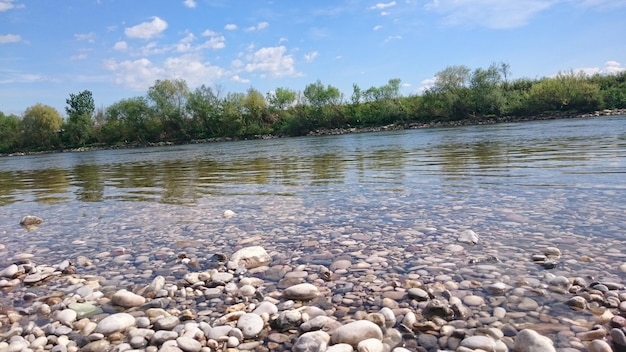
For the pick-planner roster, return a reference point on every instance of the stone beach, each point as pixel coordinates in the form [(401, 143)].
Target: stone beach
[(440, 288), (494, 238)]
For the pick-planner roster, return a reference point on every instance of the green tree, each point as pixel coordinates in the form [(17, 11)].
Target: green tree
[(132, 120), (204, 106), (566, 92), (450, 97), (281, 98), (41, 125), (256, 114), (79, 128), (169, 101), (231, 114), (9, 133), (323, 101), (487, 92)]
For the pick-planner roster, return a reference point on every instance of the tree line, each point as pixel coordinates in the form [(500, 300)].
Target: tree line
[(172, 112)]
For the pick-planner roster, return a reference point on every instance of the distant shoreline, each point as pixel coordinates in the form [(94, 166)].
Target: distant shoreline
[(340, 131)]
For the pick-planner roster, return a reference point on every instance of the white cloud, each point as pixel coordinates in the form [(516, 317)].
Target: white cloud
[(216, 40), (393, 38), (10, 38), (311, 56), (238, 79), (6, 5), (14, 77), (272, 61), (377, 27), (146, 30), (610, 67), (230, 27), (88, 37), (189, 3), (120, 46), (142, 73), (184, 45), (385, 13), (383, 5), (427, 84), (82, 56), (282, 40), (495, 14), (258, 27)]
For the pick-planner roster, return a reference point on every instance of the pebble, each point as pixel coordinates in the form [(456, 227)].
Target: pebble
[(125, 298), (599, 346), (354, 332), (250, 257), (250, 325), (314, 341), (529, 340), (370, 345), (115, 323), (468, 236), (188, 344), (304, 292)]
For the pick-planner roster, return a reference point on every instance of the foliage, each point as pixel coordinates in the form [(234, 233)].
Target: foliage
[(171, 112), (79, 127), (41, 126), (9, 133), (169, 101)]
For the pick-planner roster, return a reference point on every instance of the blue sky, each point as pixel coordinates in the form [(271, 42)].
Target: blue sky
[(117, 49)]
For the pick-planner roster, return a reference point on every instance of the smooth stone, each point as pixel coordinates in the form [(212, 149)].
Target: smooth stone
[(473, 300), (166, 323), (303, 292), (529, 340), (340, 347), (84, 310), (9, 271), (250, 324), (618, 337), (127, 299), (468, 236), (161, 336), (97, 346), (188, 344), (599, 346), (228, 213), (314, 341), (222, 277), (390, 318), (250, 257), (219, 331), (370, 345), (66, 317), (354, 332), (265, 307), (340, 264), (114, 323), (552, 252), (528, 303), (30, 220), (622, 267), (481, 342), (418, 294), (577, 302)]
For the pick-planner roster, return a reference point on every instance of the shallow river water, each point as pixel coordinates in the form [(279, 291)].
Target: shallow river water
[(393, 203)]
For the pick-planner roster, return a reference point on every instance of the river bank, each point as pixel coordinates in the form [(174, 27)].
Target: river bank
[(339, 131)]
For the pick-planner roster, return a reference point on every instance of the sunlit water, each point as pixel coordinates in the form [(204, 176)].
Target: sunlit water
[(520, 186)]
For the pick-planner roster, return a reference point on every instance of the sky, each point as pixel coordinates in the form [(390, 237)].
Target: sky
[(118, 49)]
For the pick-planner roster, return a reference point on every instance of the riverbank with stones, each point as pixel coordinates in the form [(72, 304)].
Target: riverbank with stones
[(466, 292)]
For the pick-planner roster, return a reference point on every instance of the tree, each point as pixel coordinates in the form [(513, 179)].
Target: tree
[(203, 104), (169, 98), (79, 127), (132, 121), (450, 97), (568, 91), (41, 125), (255, 108), (281, 98), (487, 92), (9, 133), (231, 114)]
